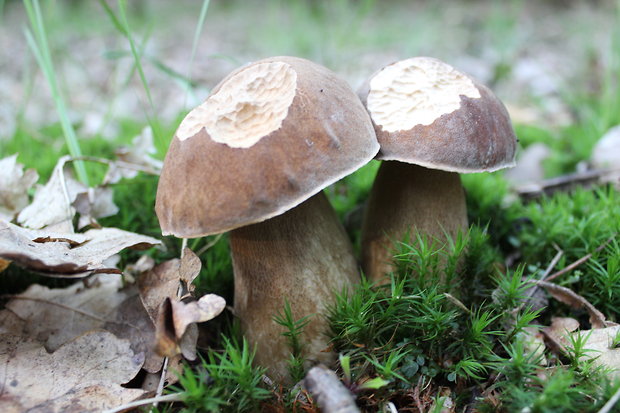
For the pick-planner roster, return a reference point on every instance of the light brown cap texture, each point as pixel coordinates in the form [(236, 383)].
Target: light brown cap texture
[(425, 112), (269, 136)]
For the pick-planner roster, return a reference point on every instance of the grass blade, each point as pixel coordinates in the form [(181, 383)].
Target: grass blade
[(40, 48), (197, 32)]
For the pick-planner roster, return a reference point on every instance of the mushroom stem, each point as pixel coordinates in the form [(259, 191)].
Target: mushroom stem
[(408, 199), (303, 256)]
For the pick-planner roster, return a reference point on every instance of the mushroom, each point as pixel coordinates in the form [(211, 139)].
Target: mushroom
[(432, 122), (253, 159)]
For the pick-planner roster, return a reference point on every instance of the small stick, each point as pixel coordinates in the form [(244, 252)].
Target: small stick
[(549, 186), (209, 245), (331, 395), (416, 395), (175, 397), (457, 302), (122, 164), (580, 260), (611, 402)]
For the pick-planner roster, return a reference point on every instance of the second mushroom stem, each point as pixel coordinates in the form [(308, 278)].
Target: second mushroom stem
[(407, 199)]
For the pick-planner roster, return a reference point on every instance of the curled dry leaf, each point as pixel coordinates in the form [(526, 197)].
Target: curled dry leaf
[(163, 281), (143, 264), (207, 307), (54, 257), (134, 158), (176, 324), (571, 298), (14, 186), (94, 203), (84, 374), (51, 207)]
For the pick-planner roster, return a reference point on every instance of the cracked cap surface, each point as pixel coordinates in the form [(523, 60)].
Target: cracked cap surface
[(427, 113)]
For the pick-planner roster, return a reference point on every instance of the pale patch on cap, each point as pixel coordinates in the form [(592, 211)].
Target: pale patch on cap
[(415, 92), (247, 107)]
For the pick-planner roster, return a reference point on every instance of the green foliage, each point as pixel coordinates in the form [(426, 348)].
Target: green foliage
[(409, 327), (577, 224), (293, 331), (227, 381)]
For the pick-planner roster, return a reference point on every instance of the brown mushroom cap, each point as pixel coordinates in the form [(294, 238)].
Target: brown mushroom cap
[(269, 136), (427, 113)]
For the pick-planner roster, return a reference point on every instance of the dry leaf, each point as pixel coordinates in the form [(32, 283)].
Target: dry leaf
[(85, 372), (561, 326), (95, 203), (175, 328), (534, 344), (207, 307), (14, 186), (55, 316), (559, 329), (163, 281), (600, 343), (131, 321), (11, 324), (166, 342), (189, 267), (145, 263), (158, 284), (606, 152), (51, 207), (188, 342), (60, 258), (569, 297), (134, 158)]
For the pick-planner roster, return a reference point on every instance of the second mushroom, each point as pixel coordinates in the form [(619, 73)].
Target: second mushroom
[(432, 122)]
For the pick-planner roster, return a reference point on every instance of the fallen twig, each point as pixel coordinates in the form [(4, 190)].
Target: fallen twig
[(109, 162), (565, 183), (580, 260), (457, 302), (529, 293), (331, 395), (611, 402), (175, 397), (416, 394)]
